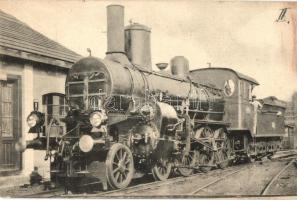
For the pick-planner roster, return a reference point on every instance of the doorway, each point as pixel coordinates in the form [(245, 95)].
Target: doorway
[(10, 123)]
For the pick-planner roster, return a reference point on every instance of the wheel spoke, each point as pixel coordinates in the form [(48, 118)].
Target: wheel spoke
[(127, 161), (188, 160), (121, 177), (159, 168), (117, 156), (126, 169), (115, 170), (162, 170), (121, 153), (191, 156), (124, 156), (117, 176), (124, 175)]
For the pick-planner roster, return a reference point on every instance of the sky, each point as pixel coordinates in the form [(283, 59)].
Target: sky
[(243, 36)]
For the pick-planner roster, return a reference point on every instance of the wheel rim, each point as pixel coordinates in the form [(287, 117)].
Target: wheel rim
[(161, 169), (224, 153), (206, 156), (188, 160), (205, 160), (206, 132), (120, 166)]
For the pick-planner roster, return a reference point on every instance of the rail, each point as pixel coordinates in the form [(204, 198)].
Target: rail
[(214, 182), (147, 186), (45, 194), (275, 178)]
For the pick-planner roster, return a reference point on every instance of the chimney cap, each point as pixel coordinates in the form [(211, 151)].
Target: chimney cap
[(162, 66), (137, 26), (115, 5)]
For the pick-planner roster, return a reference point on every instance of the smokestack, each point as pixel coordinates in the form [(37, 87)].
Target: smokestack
[(115, 34), (115, 29)]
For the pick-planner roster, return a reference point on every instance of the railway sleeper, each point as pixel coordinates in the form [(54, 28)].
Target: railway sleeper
[(196, 167)]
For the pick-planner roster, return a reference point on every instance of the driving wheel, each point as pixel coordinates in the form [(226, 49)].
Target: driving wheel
[(225, 150), (205, 162)]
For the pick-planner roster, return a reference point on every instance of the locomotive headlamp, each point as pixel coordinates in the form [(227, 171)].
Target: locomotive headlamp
[(35, 119), (86, 143), (32, 120), (96, 119)]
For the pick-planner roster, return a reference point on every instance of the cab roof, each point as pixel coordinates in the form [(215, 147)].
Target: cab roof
[(273, 101), (238, 74)]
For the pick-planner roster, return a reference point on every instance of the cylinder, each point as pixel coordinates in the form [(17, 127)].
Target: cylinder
[(180, 66), (138, 45), (115, 29)]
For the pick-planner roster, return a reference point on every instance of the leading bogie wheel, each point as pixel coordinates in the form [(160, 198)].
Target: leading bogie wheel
[(119, 166), (161, 169)]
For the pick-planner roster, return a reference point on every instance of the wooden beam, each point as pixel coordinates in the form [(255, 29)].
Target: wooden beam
[(33, 57), (3, 75)]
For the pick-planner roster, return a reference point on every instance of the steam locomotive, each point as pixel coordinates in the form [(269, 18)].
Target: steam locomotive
[(120, 117)]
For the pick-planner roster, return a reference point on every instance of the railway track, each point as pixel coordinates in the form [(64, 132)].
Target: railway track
[(46, 194), (274, 179), (215, 181), (266, 188), (137, 189), (218, 175)]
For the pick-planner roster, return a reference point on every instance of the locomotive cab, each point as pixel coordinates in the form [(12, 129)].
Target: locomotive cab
[(239, 111), (247, 115), (237, 90), (55, 109)]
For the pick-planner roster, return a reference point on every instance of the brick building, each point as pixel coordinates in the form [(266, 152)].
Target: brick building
[(30, 65)]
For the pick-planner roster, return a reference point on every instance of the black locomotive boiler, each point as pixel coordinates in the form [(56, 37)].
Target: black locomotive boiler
[(122, 118)]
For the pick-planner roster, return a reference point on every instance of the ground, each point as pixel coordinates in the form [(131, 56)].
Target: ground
[(250, 180)]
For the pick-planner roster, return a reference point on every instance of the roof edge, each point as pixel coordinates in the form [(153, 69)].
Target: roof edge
[(36, 58), (240, 75)]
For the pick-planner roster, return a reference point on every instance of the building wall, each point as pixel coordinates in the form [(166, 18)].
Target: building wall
[(11, 67), (36, 80), (45, 80)]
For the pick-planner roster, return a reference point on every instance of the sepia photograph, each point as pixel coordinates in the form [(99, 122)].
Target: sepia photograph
[(148, 99)]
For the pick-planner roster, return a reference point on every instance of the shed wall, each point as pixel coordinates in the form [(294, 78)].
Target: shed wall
[(36, 80)]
